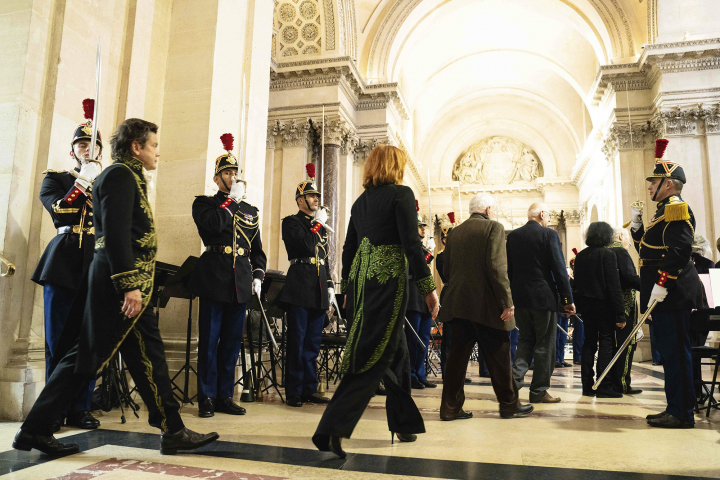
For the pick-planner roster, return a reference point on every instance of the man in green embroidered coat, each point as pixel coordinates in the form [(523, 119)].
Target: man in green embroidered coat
[(382, 246), (117, 317)]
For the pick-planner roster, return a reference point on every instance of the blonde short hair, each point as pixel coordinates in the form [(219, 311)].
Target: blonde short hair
[(385, 164)]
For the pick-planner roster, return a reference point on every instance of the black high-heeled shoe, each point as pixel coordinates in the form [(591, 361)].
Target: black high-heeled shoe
[(336, 447), (403, 437)]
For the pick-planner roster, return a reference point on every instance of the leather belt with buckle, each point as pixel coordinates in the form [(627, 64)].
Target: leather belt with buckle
[(307, 261), (651, 262), (227, 249), (75, 229)]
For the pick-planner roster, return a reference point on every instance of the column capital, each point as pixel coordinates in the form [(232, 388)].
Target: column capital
[(294, 133), (273, 130)]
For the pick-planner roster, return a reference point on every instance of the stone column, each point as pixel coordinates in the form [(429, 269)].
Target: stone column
[(346, 192), (330, 188), (711, 120), (269, 227)]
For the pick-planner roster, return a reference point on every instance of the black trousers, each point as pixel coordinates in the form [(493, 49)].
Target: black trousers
[(599, 329), (536, 343), (620, 374), (144, 356), (495, 347), (355, 390)]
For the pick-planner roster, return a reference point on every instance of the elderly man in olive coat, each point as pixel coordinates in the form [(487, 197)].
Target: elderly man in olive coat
[(479, 304)]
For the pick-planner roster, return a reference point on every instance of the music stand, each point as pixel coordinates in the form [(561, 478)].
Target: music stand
[(176, 287), (272, 286)]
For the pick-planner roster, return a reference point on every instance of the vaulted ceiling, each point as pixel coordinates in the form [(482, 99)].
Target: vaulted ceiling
[(469, 69)]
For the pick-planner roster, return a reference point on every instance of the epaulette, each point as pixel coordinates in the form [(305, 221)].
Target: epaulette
[(250, 205), (677, 211), (49, 170), (198, 196), (441, 251)]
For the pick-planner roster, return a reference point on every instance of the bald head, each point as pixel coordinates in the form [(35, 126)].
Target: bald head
[(539, 212)]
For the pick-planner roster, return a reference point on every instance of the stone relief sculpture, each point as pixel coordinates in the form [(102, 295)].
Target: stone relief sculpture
[(497, 161)]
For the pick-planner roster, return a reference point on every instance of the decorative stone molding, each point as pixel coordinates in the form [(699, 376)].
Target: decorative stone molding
[(497, 161), (295, 134), (610, 146), (712, 119), (622, 136), (574, 217), (329, 25), (334, 131), (675, 122), (272, 131), (350, 143)]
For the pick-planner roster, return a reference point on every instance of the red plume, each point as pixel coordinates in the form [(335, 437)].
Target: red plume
[(417, 205), (89, 108), (227, 140), (310, 169), (575, 251), (451, 216), (660, 146)]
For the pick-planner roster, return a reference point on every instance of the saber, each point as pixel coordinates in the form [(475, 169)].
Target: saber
[(96, 109), (627, 341), (337, 310), (563, 330), (416, 334), (578, 317), (267, 324), (322, 168), (432, 227)]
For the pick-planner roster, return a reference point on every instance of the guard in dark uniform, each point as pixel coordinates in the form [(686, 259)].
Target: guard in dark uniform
[(419, 317), (308, 292), (229, 271), (668, 276), (67, 257)]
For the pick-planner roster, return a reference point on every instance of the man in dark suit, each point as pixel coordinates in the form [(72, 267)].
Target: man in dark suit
[(537, 272), (479, 306), (229, 271), (308, 293)]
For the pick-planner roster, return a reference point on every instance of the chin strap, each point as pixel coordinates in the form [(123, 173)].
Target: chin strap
[(662, 180), (225, 184)]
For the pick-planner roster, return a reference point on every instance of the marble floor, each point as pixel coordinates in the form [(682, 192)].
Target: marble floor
[(579, 438)]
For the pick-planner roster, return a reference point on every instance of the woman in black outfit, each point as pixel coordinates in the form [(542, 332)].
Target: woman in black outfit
[(382, 242), (600, 300), (700, 252)]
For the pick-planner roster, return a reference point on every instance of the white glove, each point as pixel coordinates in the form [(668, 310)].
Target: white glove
[(237, 191), (431, 244), (658, 293), (331, 296), (256, 286), (636, 221), (321, 216), (88, 173)]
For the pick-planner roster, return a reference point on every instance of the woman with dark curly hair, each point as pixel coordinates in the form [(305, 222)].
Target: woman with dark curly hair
[(600, 301)]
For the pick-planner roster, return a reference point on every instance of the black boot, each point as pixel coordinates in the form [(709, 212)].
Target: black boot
[(82, 420), (185, 439), (48, 445), (207, 408), (316, 398), (226, 405)]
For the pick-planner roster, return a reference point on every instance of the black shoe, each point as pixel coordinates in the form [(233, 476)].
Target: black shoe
[(633, 391), (294, 401), (485, 375), (47, 445), (417, 385), (56, 426), (655, 364), (468, 380), (589, 393), (405, 437), (82, 420), (381, 391), (669, 421), (207, 408), (566, 364), (429, 385), (559, 365), (185, 439), (577, 362), (316, 398), (522, 411), (336, 447), (602, 393), (655, 416), (226, 405), (462, 415)]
